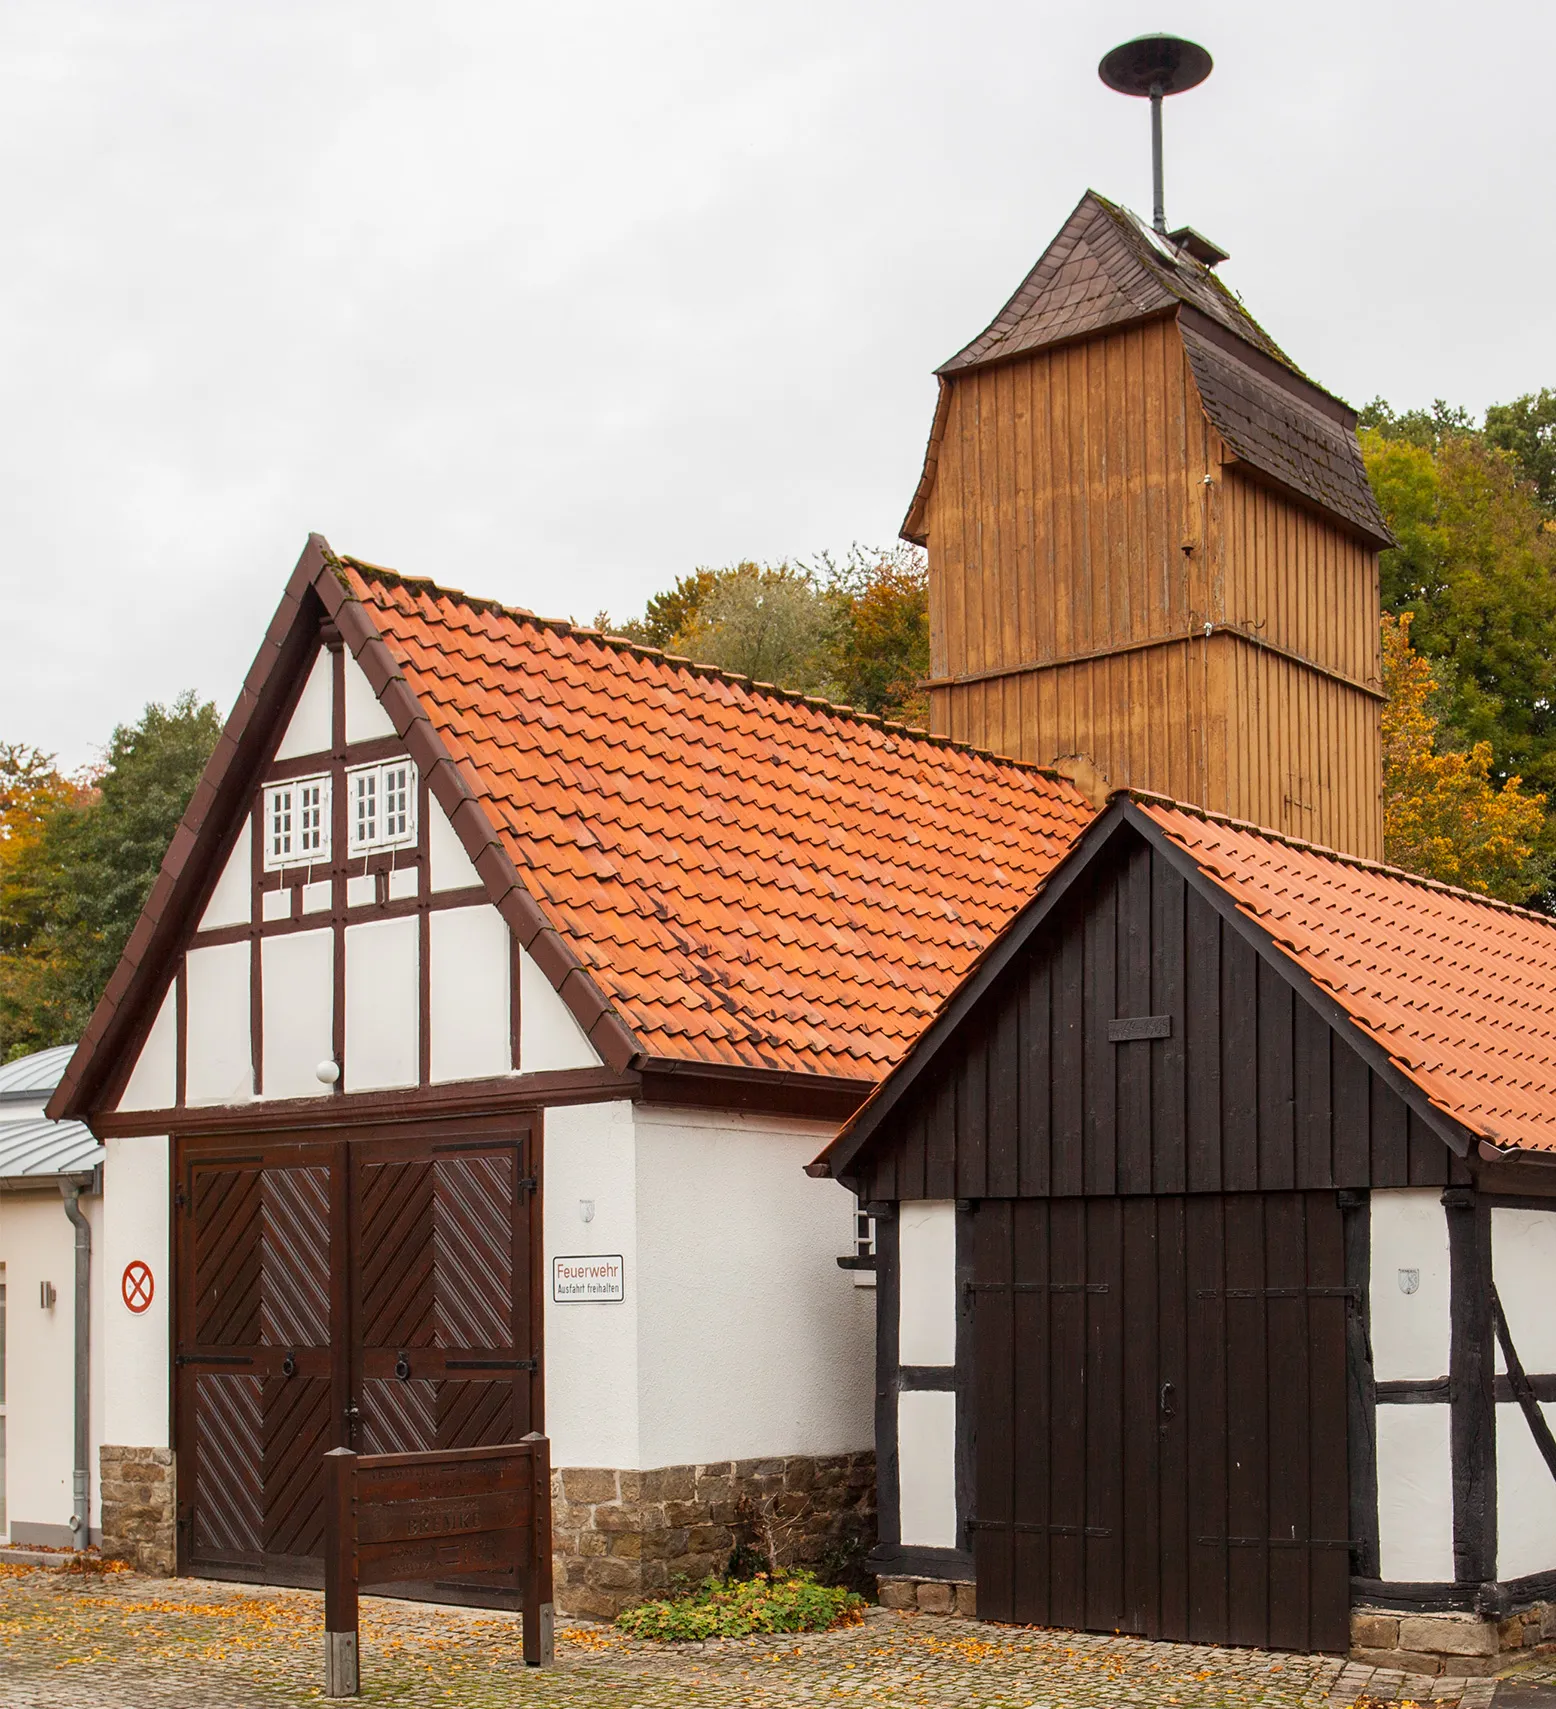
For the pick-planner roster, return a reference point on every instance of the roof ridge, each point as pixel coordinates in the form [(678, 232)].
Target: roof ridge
[(1149, 799), (768, 690)]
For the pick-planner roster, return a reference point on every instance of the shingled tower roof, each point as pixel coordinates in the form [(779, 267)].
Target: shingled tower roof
[(1107, 270)]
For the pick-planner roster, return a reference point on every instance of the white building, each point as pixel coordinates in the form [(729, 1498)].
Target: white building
[(46, 1166)]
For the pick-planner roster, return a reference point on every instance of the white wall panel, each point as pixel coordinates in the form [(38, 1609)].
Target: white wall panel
[(135, 1225), (232, 901), (311, 728), (297, 978), (926, 1466), (926, 1333), (471, 982), (452, 868), (1410, 1332), (549, 1037), (366, 720), (1523, 1262), (1526, 1491), (37, 1244), (382, 1000), (1415, 1494), (752, 1342), (153, 1082), (591, 1346), (218, 1054)]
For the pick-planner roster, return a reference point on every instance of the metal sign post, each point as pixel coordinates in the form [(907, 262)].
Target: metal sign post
[(389, 1518)]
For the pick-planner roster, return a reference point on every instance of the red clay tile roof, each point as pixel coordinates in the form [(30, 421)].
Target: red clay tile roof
[(750, 876), (1459, 991)]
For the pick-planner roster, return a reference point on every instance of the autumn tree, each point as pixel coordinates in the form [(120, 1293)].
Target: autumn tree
[(1444, 815), (854, 630), (77, 861)]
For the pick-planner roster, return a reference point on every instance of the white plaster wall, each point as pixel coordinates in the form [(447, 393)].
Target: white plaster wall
[(451, 867), (926, 1464), (1415, 1494), (592, 1347), (136, 1353), (381, 1005), (231, 902), (1526, 1493), (1523, 1263), (752, 1342), (926, 1332), (549, 1037), (1410, 1332), (153, 1082), (366, 720), (311, 727), (218, 1056), (470, 987), (37, 1244), (298, 1011)]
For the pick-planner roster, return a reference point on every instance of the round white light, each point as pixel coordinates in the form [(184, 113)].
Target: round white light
[(328, 1072)]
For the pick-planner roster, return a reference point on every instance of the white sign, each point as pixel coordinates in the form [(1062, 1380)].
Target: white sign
[(588, 1277)]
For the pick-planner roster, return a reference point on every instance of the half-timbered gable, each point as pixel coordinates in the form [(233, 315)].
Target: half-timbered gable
[(1199, 1208)]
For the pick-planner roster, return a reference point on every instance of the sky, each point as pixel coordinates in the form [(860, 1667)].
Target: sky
[(554, 303)]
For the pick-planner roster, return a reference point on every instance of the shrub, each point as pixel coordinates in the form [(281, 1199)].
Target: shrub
[(724, 1608)]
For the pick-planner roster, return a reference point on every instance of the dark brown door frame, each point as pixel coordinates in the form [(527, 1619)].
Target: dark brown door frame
[(339, 1152)]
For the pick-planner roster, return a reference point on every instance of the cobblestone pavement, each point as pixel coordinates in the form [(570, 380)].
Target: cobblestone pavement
[(117, 1641)]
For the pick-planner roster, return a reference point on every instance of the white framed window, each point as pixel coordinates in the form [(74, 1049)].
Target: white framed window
[(381, 806), (297, 822)]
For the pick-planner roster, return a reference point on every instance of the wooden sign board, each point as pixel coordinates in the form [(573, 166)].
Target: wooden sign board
[(390, 1518)]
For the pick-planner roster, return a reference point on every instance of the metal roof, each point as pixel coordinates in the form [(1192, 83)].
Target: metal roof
[(29, 1076), (35, 1150)]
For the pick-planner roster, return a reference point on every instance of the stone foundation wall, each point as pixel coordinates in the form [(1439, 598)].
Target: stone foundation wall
[(136, 1488), (930, 1596), (1471, 1645), (621, 1537)]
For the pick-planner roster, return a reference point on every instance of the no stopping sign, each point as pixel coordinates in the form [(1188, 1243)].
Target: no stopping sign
[(137, 1285)]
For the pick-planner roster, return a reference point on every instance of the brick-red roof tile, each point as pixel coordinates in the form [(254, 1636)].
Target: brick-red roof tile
[(1458, 990), (750, 877)]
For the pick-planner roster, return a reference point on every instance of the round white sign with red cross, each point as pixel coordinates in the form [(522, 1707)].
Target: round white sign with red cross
[(137, 1285)]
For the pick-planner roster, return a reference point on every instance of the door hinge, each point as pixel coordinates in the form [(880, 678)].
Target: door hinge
[(180, 1199), (529, 1184), (491, 1364)]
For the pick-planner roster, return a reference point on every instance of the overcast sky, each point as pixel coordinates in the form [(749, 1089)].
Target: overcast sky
[(555, 302)]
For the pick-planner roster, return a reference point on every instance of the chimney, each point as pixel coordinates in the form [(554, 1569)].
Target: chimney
[(1153, 550)]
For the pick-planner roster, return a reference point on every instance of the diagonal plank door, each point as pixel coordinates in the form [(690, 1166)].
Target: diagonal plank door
[(377, 1294)]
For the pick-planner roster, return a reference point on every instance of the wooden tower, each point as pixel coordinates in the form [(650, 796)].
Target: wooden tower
[(1153, 551)]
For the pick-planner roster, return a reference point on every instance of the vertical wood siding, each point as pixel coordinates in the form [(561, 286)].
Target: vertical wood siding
[(1253, 1090), (1071, 515), (1158, 1417)]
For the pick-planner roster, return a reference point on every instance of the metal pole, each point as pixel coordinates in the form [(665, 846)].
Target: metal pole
[(79, 1477), (1158, 199)]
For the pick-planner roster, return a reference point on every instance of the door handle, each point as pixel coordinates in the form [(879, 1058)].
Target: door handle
[(1169, 1394), (352, 1414)]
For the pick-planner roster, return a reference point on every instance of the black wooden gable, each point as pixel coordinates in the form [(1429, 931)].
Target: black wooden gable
[(1133, 1034)]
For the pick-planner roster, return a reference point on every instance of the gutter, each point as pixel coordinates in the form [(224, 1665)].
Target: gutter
[(71, 1190)]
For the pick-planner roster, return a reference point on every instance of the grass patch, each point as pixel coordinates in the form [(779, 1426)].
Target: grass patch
[(726, 1608)]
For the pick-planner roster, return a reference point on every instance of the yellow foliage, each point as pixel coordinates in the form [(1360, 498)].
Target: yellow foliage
[(1443, 815)]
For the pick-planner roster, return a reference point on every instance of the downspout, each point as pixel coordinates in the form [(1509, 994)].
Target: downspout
[(78, 1487)]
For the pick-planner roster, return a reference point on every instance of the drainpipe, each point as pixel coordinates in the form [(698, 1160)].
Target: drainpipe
[(78, 1488)]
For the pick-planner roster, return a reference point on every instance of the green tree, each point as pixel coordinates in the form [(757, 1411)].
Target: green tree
[(1526, 428), (775, 623), (1476, 568), (73, 884)]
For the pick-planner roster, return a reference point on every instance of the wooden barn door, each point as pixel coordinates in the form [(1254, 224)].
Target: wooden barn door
[(376, 1294), (1159, 1418)]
